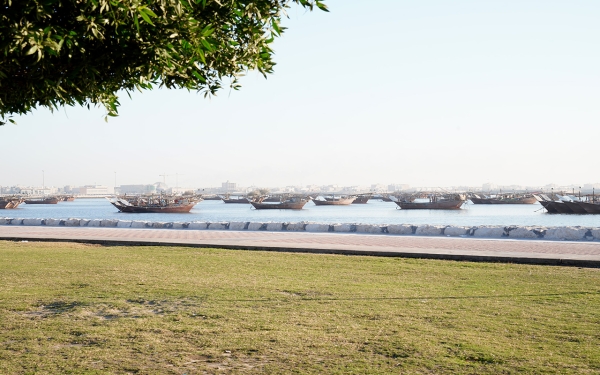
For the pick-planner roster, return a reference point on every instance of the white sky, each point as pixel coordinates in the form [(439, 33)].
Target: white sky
[(428, 93)]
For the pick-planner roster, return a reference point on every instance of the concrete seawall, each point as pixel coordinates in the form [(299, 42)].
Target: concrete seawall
[(484, 231)]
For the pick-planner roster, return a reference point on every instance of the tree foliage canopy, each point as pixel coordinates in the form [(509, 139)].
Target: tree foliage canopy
[(68, 52)]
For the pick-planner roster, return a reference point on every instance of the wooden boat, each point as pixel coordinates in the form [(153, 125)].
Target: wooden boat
[(433, 202), (48, 200), (549, 206), (547, 203), (362, 199), (504, 199), (293, 203), (10, 202), (228, 199), (575, 207), (562, 208), (590, 207), (272, 199), (211, 198), (155, 203), (559, 207), (333, 201)]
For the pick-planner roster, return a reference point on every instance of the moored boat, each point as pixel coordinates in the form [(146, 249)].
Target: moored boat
[(432, 202), (46, 200), (549, 206), (155, 203), (228, 199), (575, 207), (10, 202), (292, 203), (590, 207), (362, 199), (569, 205), (211, 198), (503, 199), (334, 201)]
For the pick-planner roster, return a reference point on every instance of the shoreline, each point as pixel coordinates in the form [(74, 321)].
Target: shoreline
[(516, 232)]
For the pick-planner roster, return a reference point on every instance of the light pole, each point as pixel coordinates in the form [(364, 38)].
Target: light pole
[(115, 188), (43, 183)]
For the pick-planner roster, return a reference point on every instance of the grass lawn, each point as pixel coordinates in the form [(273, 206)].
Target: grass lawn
[(85, 309)]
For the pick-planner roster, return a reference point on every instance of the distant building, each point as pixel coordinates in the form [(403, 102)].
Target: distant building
[(311, 188), (488, 186), (178, 190), (591, 187), (330, 188), (93, 190), (228, 186), (160, 186), (137, 189), (33, 190), (398, 187)]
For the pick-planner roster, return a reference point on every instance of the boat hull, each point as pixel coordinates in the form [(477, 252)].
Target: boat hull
[(527, 200), (590, 208), (338, 202), (154, 209), (576, 207), (241, 200), (361, 200), (554, 207), (42, 201), (549, 206), (8, 204), (279, 206), (562, 208), (212, 198), (439, 205)]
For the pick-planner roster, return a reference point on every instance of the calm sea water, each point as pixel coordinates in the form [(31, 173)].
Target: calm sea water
[(374, 212)]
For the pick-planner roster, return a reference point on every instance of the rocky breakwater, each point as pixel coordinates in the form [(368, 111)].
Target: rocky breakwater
[(482, 231)]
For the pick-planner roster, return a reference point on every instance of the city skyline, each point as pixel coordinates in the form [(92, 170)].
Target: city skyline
[(365, 187)]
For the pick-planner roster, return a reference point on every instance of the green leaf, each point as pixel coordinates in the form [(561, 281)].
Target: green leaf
[(207, 31), (150, 12), (145, 17), (197, 75), (31, 50), (207, 45), (321, 6), (275, 24)]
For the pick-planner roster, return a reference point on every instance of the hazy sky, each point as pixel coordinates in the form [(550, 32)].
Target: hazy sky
[(427, 93)]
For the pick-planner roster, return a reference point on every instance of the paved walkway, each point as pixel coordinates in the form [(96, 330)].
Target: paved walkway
[(583, 254)]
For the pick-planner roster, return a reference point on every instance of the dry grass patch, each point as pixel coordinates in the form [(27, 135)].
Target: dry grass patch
[(70, 308)]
